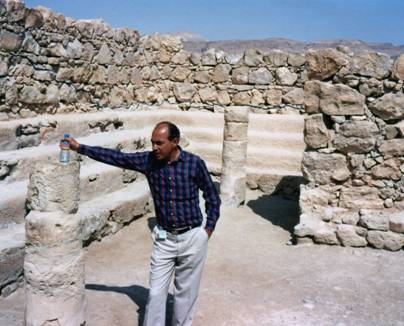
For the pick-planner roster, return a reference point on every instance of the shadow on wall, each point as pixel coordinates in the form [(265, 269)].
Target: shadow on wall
[(138, 294), (280, 202)]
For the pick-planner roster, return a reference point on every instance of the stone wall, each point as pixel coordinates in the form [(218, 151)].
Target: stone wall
[(53, 64), (354, 160)]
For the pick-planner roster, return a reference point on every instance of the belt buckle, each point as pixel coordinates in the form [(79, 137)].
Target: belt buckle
[(174, 232)]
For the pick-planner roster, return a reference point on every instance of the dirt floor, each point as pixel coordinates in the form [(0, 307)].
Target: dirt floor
[(252, 276)]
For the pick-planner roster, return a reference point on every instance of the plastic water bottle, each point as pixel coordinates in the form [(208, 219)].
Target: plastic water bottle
[(64, 156)]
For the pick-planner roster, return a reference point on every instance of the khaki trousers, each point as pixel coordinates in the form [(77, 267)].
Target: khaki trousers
[(183, 256)]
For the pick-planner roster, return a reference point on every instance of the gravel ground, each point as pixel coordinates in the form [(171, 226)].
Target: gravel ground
[(252, 276)]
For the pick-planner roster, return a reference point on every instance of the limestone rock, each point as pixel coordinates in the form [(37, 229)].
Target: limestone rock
[(308, 225), (285, 77), (240, 76), (233, 58), (10, 41), (180, 74), (202, 77), (389, 107), (374, 220), (369, 64), (325, 235), (104, 55), (53, 186), (208, 94), (316, 134), (389, 169), (397, 222), (33, 19), (30, 45), (296, 59), (253, 57), (394, 147), (31, 95), (74, 49), (223, 98), (180, 57), (235, 130), (260, 76), (294, 96), (398, 68), (236, 114), (356, 136), (333, 100), (348, 236), (52, 95), (273, 96), (314, 199), (320, 168), (359, 197), (184, 91), (276, 58), (385, 240), (242, 98), (221, 73), (324, 63)]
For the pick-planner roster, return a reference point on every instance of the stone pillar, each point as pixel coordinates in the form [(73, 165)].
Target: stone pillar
[(234, 159), (54, 258)]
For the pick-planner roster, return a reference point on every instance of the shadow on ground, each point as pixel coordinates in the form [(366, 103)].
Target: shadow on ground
[(138, 294), (277, 210)]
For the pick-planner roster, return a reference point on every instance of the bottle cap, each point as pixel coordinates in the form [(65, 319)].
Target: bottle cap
[(66, 136)]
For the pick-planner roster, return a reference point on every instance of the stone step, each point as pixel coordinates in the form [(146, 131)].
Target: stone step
[(18, 162), (48, 129), (96, 179), (100, 216), (290, 140), (276, 123), (270, 159)]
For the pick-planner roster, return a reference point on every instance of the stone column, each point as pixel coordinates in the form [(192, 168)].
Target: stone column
[(54, 258), (234, 159)]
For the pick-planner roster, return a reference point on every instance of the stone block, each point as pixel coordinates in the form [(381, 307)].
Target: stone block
[(308, 225), (324, 63), (53, 186), (348, 236), (397, 71), (285, 77), (236, 114), (316, 134), (385, 240), (360, 197), (374, 220), (389, 107), (320, 168), (397, 222), (325, 235), (356, 136), (371, 64), (393, 147), (235, 131), (260, 76)]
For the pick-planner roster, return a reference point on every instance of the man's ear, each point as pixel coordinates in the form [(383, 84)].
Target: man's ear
[(176, 141)]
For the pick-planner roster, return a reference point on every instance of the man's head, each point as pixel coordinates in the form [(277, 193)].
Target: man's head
[(165, 139)]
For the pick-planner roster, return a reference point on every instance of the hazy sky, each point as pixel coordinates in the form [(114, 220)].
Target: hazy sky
[(305, 20)]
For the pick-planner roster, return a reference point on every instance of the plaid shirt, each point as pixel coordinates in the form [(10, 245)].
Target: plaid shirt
[(174, 187)]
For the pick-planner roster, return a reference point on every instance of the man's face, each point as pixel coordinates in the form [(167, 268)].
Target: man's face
[(162, 147)]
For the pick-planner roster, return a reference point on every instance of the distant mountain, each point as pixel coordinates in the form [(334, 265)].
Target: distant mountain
[(289, 45)]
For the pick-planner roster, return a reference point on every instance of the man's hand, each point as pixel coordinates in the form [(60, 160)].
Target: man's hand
[(74, 145), (209, 232)]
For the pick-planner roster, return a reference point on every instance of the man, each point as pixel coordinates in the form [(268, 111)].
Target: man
[(180, 241)]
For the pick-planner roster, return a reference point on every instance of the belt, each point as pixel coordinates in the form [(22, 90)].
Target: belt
[(183, 229)]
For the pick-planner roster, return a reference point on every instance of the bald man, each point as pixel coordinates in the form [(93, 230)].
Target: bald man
[(180, 239)]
